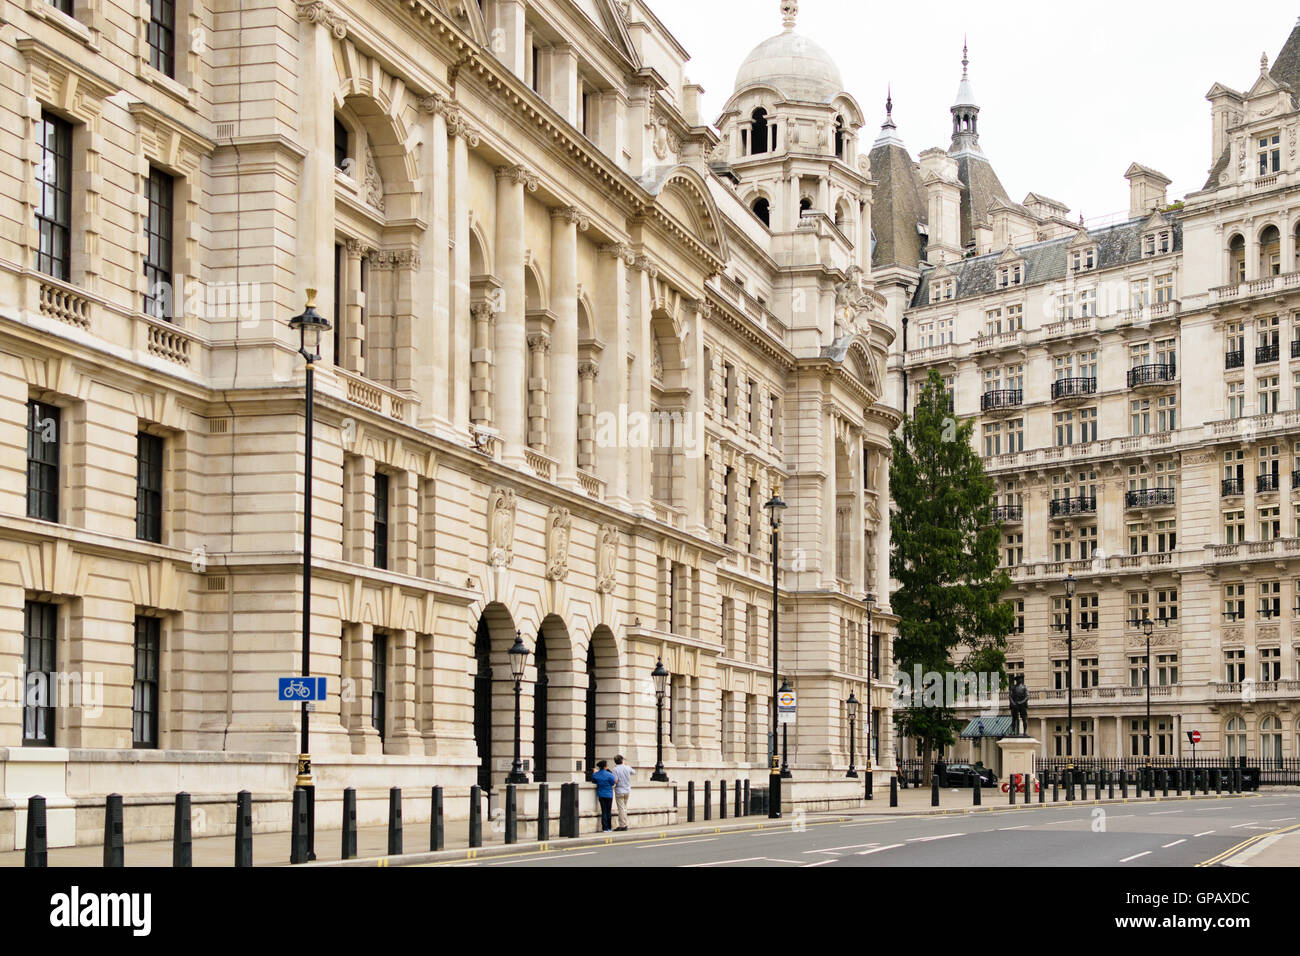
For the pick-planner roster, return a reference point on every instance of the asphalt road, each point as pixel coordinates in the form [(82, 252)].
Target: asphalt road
[(1161, 834)]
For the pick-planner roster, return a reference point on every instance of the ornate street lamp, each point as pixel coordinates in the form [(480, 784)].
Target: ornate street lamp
[(660, 677), (1070, 584), (775, 507), (310, 325), (1148, 626), (852, 706), (518, 660), (870, 602)]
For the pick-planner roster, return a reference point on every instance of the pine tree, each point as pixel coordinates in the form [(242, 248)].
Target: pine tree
[(945, 559)]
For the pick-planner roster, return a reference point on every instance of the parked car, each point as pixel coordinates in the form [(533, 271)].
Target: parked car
[(963, 775)]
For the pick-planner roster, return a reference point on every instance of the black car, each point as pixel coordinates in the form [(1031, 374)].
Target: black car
[(963, 775)]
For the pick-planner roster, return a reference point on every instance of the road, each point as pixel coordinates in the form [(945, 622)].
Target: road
[(1160, 834)]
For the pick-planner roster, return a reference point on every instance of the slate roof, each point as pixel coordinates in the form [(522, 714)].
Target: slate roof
[(982, 186), (1049, 261), (899, 205)]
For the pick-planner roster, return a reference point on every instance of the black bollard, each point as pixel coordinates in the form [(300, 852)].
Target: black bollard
[(1205, 782), (544, 812), (1029, 786), (871, 785), (893, 791), (512, 814), (475, 816), (1178, 782), (1042, 789), (903, 779), (975, 791), (394, 821), (1237, 781), (113, 848), (298, 832), (722, 799), (437, 832), (1056, 788), (1218, 781), (708, 799), (244, 828), (349, 849), (934, 790), (1164, 782), (690, 801), (748, 805), (575, 810), (1123, 784), (740, 808), (37, 850), (1069, 787), (1011, 788), (182, 839), (916, 778), (1110, 785)]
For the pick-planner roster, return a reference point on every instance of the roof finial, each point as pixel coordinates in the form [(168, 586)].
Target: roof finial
[(789, 10), (965, 59), (889, 109), (1263, 63)]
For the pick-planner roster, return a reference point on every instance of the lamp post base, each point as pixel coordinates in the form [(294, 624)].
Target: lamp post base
[(851, 773), (659, 776), (516, 776)]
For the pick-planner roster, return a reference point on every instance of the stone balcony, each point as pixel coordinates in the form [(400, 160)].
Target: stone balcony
[(1240, 291)]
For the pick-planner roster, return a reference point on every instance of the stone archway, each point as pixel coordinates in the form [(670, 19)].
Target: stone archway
[(493, 691), (603, 693), (556, 708)]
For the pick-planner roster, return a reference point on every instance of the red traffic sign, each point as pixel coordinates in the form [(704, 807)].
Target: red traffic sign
[(1194, 736)]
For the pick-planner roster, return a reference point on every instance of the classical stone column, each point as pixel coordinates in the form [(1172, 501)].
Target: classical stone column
[(642, 346), (829, 515), (692, 431), (588, 372), (539, 348), (565, 224), (315, 187), (354, 327), (435, 363), (403, 735), (612, 327), (480, 412), (510, 328), (458, 201)]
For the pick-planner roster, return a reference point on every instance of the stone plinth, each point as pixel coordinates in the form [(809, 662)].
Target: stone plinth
[(1019, 756)]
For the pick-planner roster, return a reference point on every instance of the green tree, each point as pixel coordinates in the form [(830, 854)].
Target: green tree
[(945, 559)]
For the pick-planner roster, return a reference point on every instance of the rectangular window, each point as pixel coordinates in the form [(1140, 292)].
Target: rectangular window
[(1015, 435), (1234, 602), (148, 487), (1268, 394), (162, 36), (1087, 424), (63, 6), (1166, 669), (1164, 288), (54, 196), (1236, 399), (144, 694), (42, 461), (1270, 153), (1234, 665), (1270, 663), (381, 520), (379, 683), (1015, 318), (728, 389), (159, 300), (40, 630), (1089, 672), (1270, 599), (754, 408)]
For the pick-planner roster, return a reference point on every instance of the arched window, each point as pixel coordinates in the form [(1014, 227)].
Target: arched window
[(1270, 252), (763, 210), (342, 146), (1237, 258), (758, 131), (805, 204), (1236, 737), (839, 137), (1270, 739)]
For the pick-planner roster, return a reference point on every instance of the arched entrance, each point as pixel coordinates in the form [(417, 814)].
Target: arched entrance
[(493, 636), (602, 698), (554, 703), (541, 705)]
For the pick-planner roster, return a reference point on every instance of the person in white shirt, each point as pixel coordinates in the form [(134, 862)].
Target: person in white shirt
[(622, 789)]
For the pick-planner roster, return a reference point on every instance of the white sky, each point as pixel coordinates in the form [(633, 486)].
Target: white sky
[(1069, 94)]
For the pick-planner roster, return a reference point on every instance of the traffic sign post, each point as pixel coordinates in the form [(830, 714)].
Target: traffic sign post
[(299, 689), (786, 705), (1195, 737)]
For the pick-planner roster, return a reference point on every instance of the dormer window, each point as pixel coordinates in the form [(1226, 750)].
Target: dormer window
[(1270, 153), (1083, 260), (942, 289), (1156, 243), (1010, 275)]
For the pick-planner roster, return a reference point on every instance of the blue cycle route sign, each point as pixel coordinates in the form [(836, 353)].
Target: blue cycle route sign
[(302, 688)]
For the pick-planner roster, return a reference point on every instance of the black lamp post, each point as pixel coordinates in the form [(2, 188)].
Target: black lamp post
[(774, 507), (518, 660), (660, 676), (852, 705), (785, 736), (869, 718), (1069, 674), (310, 325), (1148, 626)]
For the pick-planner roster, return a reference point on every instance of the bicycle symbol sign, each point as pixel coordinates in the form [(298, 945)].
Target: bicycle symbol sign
[(302, 688)]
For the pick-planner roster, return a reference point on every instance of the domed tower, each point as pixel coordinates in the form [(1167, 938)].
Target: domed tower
[(965, 111), (789, 138)]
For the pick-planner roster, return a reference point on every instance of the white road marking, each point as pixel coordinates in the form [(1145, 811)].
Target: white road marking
[(1023, 826), (823, 862), (655, 846), (1175, 843), (879, 849), (1238, 826), (1164, 813), (748, 859), (942, 836), (1203, 833), (850, 826), (551, 859), (1136, 856), (1281, 819), (833, 849)]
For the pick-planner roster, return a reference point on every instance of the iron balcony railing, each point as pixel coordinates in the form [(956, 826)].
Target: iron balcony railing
[(1266, 353), (1074, 387), (1001, 398), (1151, 374), (1149, 497), (1295, 348), (1008, 512), (1079, 505), (1267, 482), (1233, 360), (1232, 487)]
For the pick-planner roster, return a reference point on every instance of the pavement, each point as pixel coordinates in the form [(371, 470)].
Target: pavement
[(913, 820)]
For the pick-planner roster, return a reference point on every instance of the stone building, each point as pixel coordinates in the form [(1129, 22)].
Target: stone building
[(1070, 344), (580, 337)]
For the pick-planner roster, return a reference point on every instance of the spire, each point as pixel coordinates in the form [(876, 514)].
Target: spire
[(965, 92), (889, 108), (888, 131), (1263, 64), (789, 10)]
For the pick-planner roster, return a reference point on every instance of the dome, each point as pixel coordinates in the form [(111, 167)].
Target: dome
[(795, 65)]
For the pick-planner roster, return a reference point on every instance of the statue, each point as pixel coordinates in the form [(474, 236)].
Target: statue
[(1019, 695)]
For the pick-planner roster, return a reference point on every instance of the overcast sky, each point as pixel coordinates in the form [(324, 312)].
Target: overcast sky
[(1069, 94)]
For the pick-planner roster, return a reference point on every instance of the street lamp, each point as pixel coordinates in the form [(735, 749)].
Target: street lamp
[(870, 602), (785, 736), (852, 705), (1148, 626), (518, 660), (1070, 584), (310, 325), (774, 507), (660, 676)]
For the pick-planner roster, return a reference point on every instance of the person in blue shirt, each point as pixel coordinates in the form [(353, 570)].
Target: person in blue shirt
[(604, 781)]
